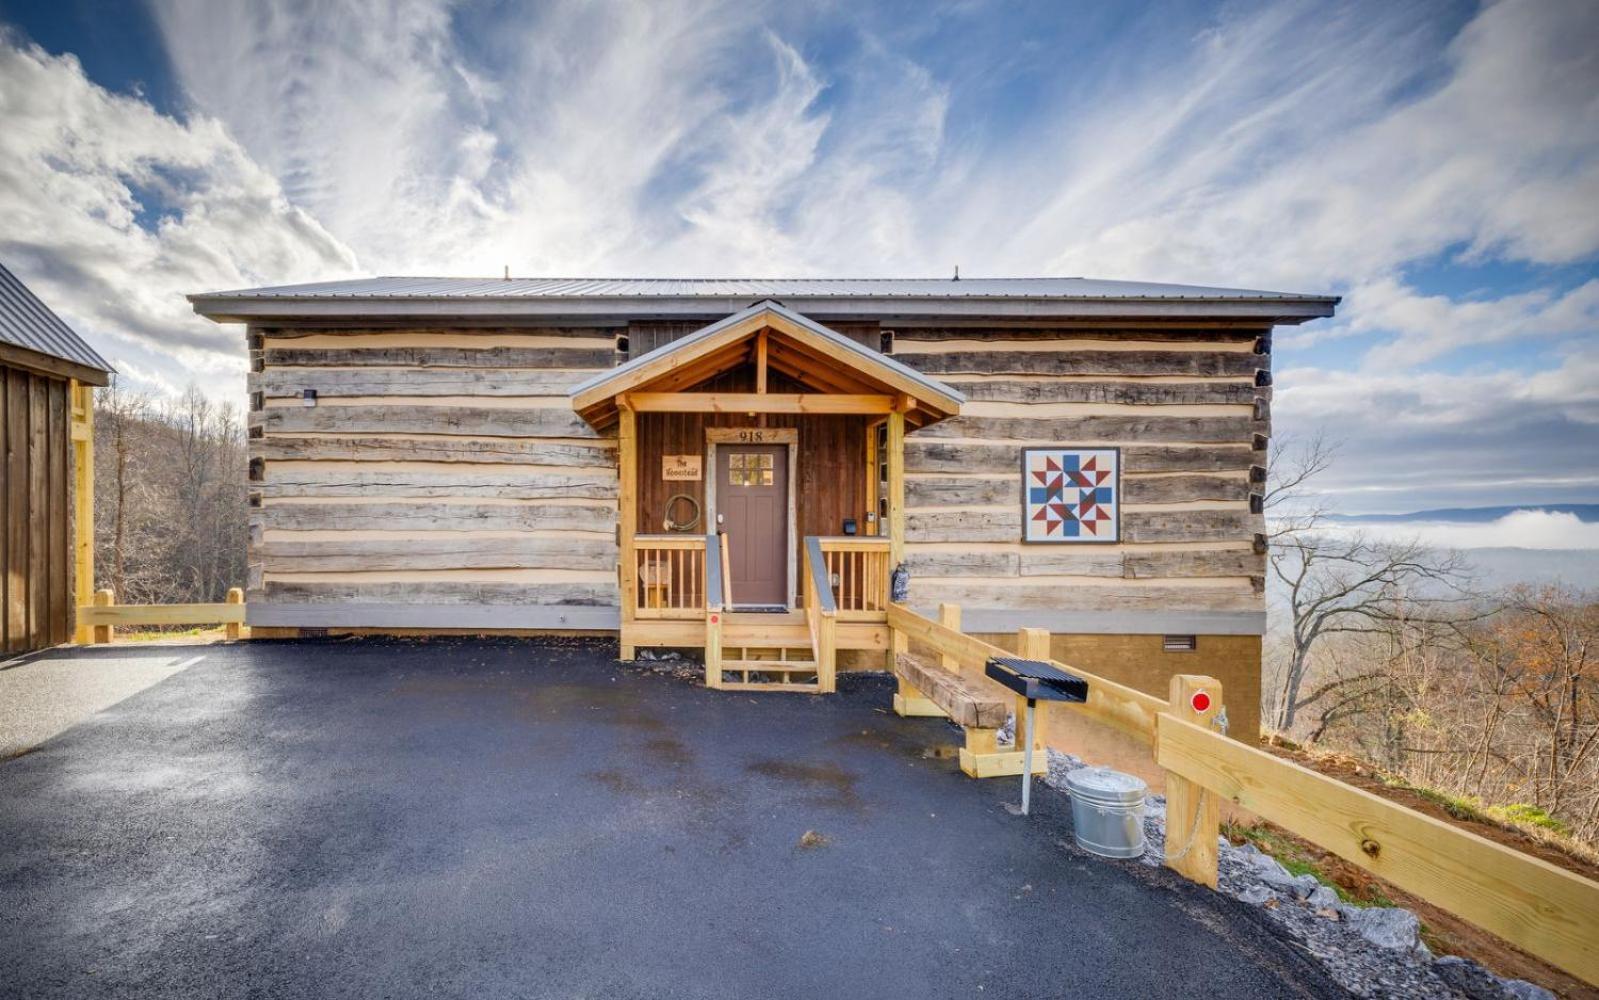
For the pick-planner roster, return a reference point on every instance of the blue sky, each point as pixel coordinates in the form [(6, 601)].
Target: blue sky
[(1435, 163)]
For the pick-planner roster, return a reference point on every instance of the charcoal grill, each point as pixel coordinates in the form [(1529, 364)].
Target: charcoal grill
[(1036, 681)]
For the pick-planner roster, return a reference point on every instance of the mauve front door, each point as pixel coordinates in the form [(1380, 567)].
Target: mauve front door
[(752, 501)]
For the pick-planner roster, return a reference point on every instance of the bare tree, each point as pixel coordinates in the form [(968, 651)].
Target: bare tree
[(1336, 581), (171, 511), (117, 413)]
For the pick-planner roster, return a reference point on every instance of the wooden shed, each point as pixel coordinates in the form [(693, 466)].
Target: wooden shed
[(705, 464), (47, 375)]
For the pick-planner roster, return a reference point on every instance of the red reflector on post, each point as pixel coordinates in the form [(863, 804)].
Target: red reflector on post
[(1200, 701)]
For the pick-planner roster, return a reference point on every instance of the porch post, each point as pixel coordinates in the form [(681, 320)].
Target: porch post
[(873, 525), (627, 520), (895, 527), (896, 487), (82, 408)]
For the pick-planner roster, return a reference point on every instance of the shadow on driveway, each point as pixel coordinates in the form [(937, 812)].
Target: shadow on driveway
[(484, 818)]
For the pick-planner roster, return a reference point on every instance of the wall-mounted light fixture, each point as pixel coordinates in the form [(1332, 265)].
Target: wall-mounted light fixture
[(307, 397)]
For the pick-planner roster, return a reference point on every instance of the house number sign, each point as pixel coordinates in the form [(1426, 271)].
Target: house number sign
[(681, 468)]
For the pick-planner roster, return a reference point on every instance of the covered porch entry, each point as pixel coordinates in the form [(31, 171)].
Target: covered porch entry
[(762, 493)]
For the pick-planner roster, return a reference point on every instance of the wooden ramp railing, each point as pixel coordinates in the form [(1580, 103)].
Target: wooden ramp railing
[(105, 614), (1534, 905)]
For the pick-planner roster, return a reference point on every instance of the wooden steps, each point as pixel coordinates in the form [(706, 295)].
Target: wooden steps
[(769, 666)]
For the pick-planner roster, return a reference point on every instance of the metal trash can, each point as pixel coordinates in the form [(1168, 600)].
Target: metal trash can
[(1107, 811)]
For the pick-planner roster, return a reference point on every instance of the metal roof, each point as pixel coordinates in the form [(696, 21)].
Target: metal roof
[(755, 288), (866, 297), (866, 354), (28, 323)]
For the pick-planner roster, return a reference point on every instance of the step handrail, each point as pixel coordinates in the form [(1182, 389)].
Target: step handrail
[(715, 594), (818, 573), (821, 613)]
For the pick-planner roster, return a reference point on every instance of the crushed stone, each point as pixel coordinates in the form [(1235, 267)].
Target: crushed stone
[(1371, 951)]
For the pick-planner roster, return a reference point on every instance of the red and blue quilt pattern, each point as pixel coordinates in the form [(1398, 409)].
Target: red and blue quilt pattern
[(1070, 494)]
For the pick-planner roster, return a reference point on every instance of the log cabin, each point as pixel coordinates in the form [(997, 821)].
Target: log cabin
[(47, 378), (738, 466)]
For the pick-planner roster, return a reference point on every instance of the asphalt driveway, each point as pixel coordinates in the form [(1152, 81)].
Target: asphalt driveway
[(471, 818)]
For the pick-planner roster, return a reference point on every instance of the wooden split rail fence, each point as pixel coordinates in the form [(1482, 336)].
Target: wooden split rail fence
[(105, 614), (1534, 905)]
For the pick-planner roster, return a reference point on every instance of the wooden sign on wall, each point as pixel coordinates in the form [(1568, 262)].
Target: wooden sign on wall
[(681, 468)]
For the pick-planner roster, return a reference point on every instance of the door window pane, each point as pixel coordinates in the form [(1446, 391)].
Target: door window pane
[(744, 469)]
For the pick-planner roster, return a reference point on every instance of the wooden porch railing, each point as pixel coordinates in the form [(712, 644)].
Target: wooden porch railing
[(821, 614), (1531, 903), (671, 577), (857, 571), (97, 620)]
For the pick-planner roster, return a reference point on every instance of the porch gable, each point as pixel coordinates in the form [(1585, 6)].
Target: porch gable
[(839, 375)]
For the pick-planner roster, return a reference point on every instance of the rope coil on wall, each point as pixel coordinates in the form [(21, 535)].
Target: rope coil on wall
[(669, 523)]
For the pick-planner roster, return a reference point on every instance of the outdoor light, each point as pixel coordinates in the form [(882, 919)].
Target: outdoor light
[(307, 397)]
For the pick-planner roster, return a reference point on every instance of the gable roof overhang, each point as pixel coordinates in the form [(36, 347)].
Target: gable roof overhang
[(615, 301), (32, 336), (825, 361)]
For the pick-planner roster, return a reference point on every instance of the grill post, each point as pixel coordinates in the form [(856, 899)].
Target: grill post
[(1027, 758)]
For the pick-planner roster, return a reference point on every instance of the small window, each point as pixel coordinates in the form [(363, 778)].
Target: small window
[(749, 470), (1181, 643)]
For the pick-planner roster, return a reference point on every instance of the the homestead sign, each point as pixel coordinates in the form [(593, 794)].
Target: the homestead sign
[(489, 454)]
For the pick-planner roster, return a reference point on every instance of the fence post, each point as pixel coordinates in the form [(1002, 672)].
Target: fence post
[(103, 599), (235, 596), (949, 616), (1031, 644), (1193, 814)]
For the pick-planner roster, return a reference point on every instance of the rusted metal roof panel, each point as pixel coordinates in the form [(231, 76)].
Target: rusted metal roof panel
[(27, 322)]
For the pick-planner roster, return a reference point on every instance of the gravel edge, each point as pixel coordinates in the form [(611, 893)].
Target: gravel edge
[(1370, 951)]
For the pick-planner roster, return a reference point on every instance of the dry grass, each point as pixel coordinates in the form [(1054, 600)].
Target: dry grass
[(1528, 821)]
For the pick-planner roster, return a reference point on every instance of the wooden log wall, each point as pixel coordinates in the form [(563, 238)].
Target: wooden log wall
[(35, 512), (442, 469), (1189, 409), (645, 336)]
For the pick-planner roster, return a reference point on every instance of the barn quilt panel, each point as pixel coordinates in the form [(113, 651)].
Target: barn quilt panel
[(1071, 494)]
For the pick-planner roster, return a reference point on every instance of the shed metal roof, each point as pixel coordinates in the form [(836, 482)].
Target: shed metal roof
[(28, 323), (866, 297)]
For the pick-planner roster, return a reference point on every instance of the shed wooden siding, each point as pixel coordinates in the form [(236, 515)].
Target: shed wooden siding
[(440, 468), (1189, 410), (35, 509)]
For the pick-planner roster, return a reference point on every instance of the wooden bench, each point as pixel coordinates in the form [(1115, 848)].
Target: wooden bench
[(929, 690)]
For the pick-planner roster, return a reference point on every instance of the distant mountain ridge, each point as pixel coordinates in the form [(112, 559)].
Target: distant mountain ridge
[(1585, 512)]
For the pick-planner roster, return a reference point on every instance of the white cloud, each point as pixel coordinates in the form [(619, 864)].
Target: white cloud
[(1287, 145), (1520, 529), (1423, 328), (78, 166)]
